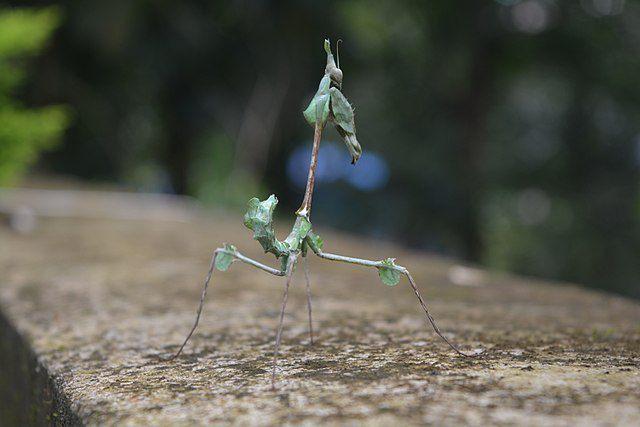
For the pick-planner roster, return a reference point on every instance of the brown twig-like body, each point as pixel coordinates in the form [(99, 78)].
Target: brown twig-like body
[(305, 208)]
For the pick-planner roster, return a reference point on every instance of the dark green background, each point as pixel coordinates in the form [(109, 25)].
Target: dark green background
[(511, 128)]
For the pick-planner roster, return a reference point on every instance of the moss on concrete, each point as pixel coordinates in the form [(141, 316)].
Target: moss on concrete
[(102, 304)]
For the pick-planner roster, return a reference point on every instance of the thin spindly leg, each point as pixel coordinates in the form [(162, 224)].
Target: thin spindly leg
[(430, 317), (212, 266), (285, 296), (306, 276), (379, 264)]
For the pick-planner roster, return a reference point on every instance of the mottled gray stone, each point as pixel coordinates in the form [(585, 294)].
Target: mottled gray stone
[(93, 307)]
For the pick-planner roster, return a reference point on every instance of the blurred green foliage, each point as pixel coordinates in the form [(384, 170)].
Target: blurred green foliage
[(24, 132), (511, 128)]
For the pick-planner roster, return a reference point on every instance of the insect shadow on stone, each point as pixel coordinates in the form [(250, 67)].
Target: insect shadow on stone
[(328, 105)]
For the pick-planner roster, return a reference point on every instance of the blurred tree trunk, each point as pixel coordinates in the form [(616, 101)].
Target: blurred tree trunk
[(179, 138), (473, 110), (261, 115)]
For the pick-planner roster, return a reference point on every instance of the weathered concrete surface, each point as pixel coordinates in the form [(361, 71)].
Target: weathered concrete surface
[(101, 304)]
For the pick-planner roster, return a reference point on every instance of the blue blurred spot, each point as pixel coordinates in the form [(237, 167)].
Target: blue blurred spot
[(370, 173), (331, 161), (334, 163), (297, 165)]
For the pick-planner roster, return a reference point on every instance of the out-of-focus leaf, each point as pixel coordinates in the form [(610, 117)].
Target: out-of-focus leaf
[(225, 258), (25, 31), (10, 77), (24, 133), (388, 274), (259, 218)]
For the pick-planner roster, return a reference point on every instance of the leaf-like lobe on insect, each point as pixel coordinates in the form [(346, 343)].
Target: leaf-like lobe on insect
[(299, 232), (352, 144), (343, 118), (315, 242), (342, 111), (318, 109), (225, 257), (259, 219), (388, 274)]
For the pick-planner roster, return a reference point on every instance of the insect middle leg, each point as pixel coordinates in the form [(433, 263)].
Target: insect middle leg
[(402, 270), (306, 276), (237, 255), (289, 272)]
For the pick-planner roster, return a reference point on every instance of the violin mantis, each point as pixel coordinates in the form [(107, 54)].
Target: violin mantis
[(328, 105)]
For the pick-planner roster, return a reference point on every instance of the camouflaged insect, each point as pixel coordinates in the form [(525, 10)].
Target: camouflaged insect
[(327, 105)]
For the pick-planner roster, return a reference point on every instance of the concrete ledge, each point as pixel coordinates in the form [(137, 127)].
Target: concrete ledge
[(28, 391), (91, 308)]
